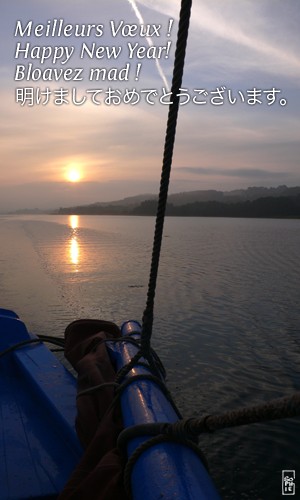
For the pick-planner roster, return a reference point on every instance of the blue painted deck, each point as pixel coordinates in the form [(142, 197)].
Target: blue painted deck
[(39, 447)]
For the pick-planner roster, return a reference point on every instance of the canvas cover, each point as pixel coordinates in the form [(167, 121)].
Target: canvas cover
[(98, 476)]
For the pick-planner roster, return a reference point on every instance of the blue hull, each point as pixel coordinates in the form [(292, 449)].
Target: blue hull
[(39, 447)]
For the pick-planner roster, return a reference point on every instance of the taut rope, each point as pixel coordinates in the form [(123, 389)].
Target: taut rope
[(182, 35)]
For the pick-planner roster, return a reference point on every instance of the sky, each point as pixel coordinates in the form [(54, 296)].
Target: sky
[(89, 149)]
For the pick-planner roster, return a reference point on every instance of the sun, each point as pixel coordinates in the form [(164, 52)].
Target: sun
[(73, 174)]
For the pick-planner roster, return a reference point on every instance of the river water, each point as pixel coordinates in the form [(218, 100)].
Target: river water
[(227, 316)]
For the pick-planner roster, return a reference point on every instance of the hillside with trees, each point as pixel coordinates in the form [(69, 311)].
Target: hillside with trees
[(252, 202)]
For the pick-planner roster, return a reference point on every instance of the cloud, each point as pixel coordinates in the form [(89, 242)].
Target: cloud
[(235, 172), (109, 142), (237, 44), (259, 35), (150, 43)]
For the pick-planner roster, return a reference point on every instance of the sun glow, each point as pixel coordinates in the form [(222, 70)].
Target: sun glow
[(73, 173)]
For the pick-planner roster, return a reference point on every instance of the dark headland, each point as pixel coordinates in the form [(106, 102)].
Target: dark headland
[(281, 201)]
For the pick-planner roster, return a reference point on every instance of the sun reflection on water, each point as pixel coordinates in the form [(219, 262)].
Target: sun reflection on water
[(74, 251), (74, 248), (74, 221)]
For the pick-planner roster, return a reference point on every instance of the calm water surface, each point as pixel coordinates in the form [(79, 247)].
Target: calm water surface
[(227, 316)]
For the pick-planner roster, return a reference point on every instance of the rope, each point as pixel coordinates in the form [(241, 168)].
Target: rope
[(287, 407), (182, 35), (40, 338), (95, 388), (160, 438), (183, 28), (151, 378), (186, 431), (18, 346), (191, 428)]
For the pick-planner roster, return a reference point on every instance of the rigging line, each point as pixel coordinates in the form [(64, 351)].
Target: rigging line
[(183, 28), (182, 35)]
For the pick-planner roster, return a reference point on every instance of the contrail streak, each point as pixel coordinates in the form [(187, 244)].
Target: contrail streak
[(150, 43)]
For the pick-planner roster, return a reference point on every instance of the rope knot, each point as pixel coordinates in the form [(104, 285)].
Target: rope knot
[(182, 429)]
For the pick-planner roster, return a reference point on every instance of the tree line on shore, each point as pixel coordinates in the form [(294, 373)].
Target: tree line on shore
[(283, 206)]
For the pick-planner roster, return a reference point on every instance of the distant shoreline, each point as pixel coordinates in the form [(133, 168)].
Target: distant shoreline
[(13, 214), (268, 207), (253, 202), (296, 217)]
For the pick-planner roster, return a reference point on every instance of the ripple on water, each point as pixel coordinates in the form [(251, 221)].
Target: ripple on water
[(226, 316)]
